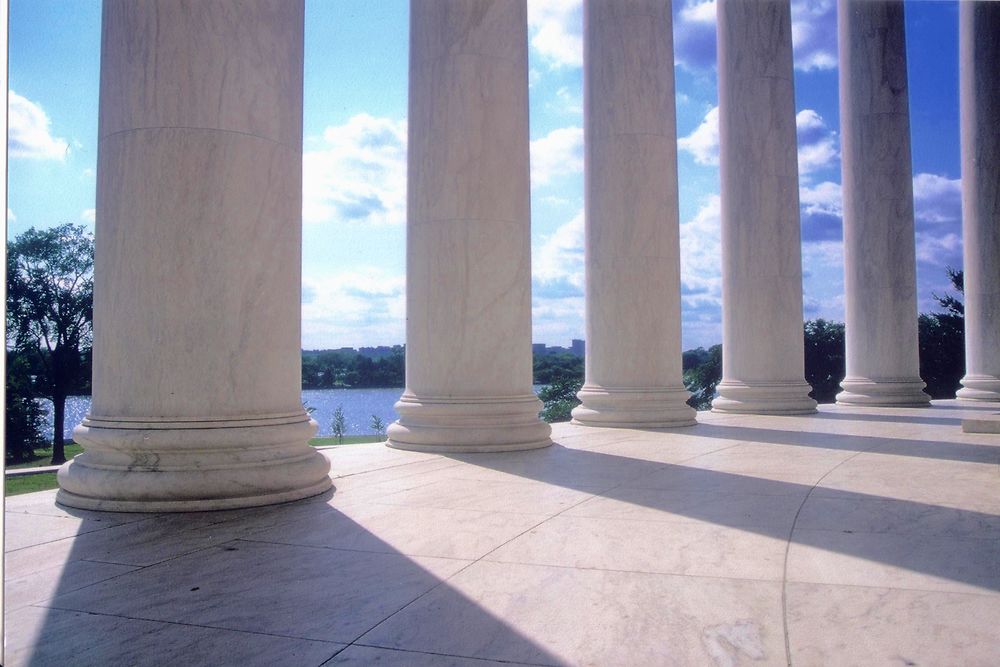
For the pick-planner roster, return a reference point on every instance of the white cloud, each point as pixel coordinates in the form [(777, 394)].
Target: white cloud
[(567, 101), (556, 321), (364, 307), (694, 35), (703, 142), (817, 144), (823, 199), (943, 251), (557, 265), (558, 153), (823, 254), (556, 31), (814, 34), (358, 174), (28, 133), (10, 215), (937, 199), (701, 255), (89, 215)]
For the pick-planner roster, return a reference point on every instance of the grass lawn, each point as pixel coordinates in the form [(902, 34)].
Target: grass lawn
[(14, 486), (43, 457)]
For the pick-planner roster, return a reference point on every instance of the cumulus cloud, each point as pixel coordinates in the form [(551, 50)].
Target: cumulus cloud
[(10, 215), (821, 210), (364, 307), (694, 34), (358, 174), (817, 143), (703, 142), (28, 132), (814, 34), (937, 199), (701, 256), (89, 215), (556, 31), (557, 264), (939, 250), (558, 153)]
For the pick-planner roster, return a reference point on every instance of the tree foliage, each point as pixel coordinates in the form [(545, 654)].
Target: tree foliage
[(702, 373), (824, 358), (559, 398), (24, 418), (50, 293), (942, 342)]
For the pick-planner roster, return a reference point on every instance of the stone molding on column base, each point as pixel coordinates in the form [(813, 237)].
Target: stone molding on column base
[(764, 398), (468, 424), (979, 388), (633, 408), (883, 392), (192, 465)]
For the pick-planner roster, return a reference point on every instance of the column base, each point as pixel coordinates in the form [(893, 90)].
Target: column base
[(763, 398), (979, 388), (192, 466), (633, 408), (886, 393), (468, 424)]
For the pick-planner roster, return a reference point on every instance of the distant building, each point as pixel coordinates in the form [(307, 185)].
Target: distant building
[(577, 347)]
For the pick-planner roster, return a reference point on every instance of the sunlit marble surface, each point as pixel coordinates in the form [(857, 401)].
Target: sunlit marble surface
[(853, 536), (468, 254), (979, 89), (762, 367), (632, 231), (880, 264)]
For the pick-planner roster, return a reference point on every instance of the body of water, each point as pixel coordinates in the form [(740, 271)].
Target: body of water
[(359, 405)]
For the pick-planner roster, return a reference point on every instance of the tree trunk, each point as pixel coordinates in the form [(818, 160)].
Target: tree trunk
[(58, 417)]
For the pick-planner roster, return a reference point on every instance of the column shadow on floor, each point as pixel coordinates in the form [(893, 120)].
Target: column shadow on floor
[(206, 591)]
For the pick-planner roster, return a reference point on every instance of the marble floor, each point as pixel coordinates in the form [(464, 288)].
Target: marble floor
[(851, 537)]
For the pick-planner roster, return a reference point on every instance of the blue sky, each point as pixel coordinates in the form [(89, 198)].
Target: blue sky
[(355, 155)]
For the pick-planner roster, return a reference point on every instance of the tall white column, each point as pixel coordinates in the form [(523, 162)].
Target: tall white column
[(762, 338), (632, 229), (979, 64), (880, 273), (468, 329), (196, 381)]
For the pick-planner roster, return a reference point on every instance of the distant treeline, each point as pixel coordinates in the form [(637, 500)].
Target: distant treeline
[(332, 369)]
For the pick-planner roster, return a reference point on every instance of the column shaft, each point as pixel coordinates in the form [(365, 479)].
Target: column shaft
[(468, 332), (196, 382), (979, 63), (632, 238), (762, 349), (880, 276)]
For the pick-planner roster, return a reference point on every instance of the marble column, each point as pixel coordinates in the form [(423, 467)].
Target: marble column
[(762, 337), (979, 64), (468, 274), (196, 378), (632, 229), (880, 275)]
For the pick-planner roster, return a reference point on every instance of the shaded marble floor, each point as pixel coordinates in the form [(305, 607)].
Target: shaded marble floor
[(855, 536)]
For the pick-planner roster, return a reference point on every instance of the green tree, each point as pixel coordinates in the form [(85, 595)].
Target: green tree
[(339, 424), (942, 342), (24, 418), (824, 358), (378, 426), (559, 398), (702, 379), (50, 292)]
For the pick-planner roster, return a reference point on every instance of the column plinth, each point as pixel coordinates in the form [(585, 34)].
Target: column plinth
[(468, 285), (979, 64), (880, 275), (763, 353), (633, 362), (196, 399)]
